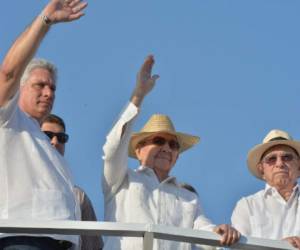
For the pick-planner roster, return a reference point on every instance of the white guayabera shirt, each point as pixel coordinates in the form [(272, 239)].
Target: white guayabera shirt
[(136, 196), (266, 214), (35, 181)]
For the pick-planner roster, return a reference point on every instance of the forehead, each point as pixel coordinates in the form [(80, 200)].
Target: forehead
[(41, 75), (280, 149), (52, 126)]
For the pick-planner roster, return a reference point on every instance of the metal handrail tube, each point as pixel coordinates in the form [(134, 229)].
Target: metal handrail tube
[(147, 231)]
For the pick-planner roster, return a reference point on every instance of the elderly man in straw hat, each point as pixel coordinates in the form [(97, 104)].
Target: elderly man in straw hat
[(273, 212), (149, 194)]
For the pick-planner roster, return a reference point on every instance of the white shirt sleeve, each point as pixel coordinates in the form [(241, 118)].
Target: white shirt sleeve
[(202, 222), (240, 218), (116, 151), (8, 109)]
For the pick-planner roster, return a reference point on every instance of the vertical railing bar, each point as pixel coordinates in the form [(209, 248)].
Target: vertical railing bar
[(148, 241)]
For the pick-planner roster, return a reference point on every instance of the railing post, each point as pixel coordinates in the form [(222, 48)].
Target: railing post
[(148, 241)]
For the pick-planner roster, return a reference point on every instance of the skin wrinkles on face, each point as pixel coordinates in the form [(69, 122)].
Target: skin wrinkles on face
[(37, 94), (160, 158), (281, 174), (56, 128)]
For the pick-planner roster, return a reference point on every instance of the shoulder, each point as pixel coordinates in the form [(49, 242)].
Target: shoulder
[(250, 199), (188, 187)]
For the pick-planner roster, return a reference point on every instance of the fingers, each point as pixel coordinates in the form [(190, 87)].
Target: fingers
[(79, 7), (72, 3), (75, 16), (147, 65), (228, 233), (294, 241)]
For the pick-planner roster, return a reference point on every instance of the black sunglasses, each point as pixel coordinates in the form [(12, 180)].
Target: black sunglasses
[(160, 141), (61, 137)]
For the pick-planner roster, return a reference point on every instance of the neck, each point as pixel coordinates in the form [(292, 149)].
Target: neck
[(285, 192), (161, 176), (38, 118)]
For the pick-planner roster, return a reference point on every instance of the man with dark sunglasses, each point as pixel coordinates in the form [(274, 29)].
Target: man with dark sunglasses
[(149, 194), (54, 127)]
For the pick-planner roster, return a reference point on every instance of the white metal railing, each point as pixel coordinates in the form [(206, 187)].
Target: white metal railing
[(148, 231)]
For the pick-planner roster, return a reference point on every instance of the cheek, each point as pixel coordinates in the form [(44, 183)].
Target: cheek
[(146, 154), (175, 157)]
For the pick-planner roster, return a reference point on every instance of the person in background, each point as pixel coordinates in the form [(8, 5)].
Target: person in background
[(35, 181), (54, 127), (274, 212), (150, 194)]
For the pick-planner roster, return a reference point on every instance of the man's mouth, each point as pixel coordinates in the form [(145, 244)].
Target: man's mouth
[(164, 157), (45, 103), (281, 173)]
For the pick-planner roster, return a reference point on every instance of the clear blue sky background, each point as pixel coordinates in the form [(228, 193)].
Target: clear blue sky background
[(229, 73)]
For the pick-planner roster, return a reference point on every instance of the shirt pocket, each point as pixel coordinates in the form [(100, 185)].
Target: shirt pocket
[(261, 226), (52, 204), (183, 214)]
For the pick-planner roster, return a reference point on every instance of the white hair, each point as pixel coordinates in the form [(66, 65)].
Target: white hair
[(39, 63)]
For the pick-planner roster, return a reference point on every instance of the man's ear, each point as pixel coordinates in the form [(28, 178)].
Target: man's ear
[(137, 152), (260, 169), (298, 168)]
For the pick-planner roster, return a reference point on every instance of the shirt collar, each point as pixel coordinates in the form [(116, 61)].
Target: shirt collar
[(269, 189)]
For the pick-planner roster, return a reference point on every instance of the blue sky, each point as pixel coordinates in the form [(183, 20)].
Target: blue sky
[(229, 72)]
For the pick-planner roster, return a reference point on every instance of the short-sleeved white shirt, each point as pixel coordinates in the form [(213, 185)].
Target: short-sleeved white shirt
[(35, 181), (266, 214)]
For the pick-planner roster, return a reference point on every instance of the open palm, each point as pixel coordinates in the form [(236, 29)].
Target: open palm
[(64, 11)]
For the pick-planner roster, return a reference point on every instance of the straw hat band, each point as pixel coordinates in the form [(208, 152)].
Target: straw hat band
[(278, 139)]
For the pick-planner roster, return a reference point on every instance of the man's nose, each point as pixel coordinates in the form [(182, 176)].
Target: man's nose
[(54, 141), (279, 162), (48, 91), (166, 147)]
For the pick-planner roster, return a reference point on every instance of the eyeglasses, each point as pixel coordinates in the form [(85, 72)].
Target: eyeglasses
[(161, 141), (272, 159), (61, 137)]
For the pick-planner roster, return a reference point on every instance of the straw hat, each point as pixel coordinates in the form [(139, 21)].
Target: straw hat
[(273, 138), (161, 123)]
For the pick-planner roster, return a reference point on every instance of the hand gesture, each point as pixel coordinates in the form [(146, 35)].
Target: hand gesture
[(294, 241), (145, 81), (229, 234), (64, 10)]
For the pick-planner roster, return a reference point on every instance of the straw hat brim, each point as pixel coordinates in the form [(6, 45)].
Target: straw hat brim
[(255, 154), (185, 141)]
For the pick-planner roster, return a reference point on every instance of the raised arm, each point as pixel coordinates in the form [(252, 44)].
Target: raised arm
[(28, 42), (116, 146)]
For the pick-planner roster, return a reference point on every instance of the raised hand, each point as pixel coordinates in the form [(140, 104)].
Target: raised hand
[(229, 234), (64, 10), (145, 81)]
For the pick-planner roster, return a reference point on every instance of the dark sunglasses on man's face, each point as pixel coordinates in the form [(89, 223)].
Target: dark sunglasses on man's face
[(160, 141), (61, 137)]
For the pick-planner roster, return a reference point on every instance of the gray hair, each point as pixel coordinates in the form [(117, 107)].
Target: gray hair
[(39, 63)]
